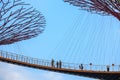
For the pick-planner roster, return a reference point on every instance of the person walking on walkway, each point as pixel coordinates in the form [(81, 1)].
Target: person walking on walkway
[(60, 64), (108, 68), (52, 63), (81, 66), (57, 64)]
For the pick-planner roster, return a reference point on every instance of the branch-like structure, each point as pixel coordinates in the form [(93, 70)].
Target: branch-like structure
[(104, 7), (19, 22)]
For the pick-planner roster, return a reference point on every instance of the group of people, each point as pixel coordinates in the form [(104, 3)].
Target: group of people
[(81, 67), (58, 64)]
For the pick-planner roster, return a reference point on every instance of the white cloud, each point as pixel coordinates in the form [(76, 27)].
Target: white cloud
[(12, 72), (8, 72)]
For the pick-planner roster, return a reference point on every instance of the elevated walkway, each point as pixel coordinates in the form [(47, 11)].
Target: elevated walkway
[(92, 71)]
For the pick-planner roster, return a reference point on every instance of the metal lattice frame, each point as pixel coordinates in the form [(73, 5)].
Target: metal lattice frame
[(19, 22), (104, 7)]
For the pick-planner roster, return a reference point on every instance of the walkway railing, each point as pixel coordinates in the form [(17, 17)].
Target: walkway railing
[(48, 63)]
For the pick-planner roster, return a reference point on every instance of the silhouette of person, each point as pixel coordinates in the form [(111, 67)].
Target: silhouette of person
[(57, 64), (81, 66), (52, 63), (108, 68), (60, 64)]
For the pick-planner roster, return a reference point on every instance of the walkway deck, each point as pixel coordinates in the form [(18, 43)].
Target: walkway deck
[(92, 71)]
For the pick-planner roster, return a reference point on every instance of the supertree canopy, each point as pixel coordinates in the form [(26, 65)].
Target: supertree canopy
[(104, 7), (19, 21)]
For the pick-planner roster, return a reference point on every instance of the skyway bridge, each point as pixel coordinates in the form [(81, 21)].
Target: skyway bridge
[(89, 70)]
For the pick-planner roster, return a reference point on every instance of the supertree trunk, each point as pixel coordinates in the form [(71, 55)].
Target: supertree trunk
[(19, 21), (104, 7)]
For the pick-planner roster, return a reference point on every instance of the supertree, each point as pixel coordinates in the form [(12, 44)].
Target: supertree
[(19, 21), (104, 7)]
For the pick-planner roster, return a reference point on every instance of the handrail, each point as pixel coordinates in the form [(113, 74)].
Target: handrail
[(64, 65)]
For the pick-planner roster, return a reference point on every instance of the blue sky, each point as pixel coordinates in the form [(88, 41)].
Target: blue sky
[(71, 35)]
